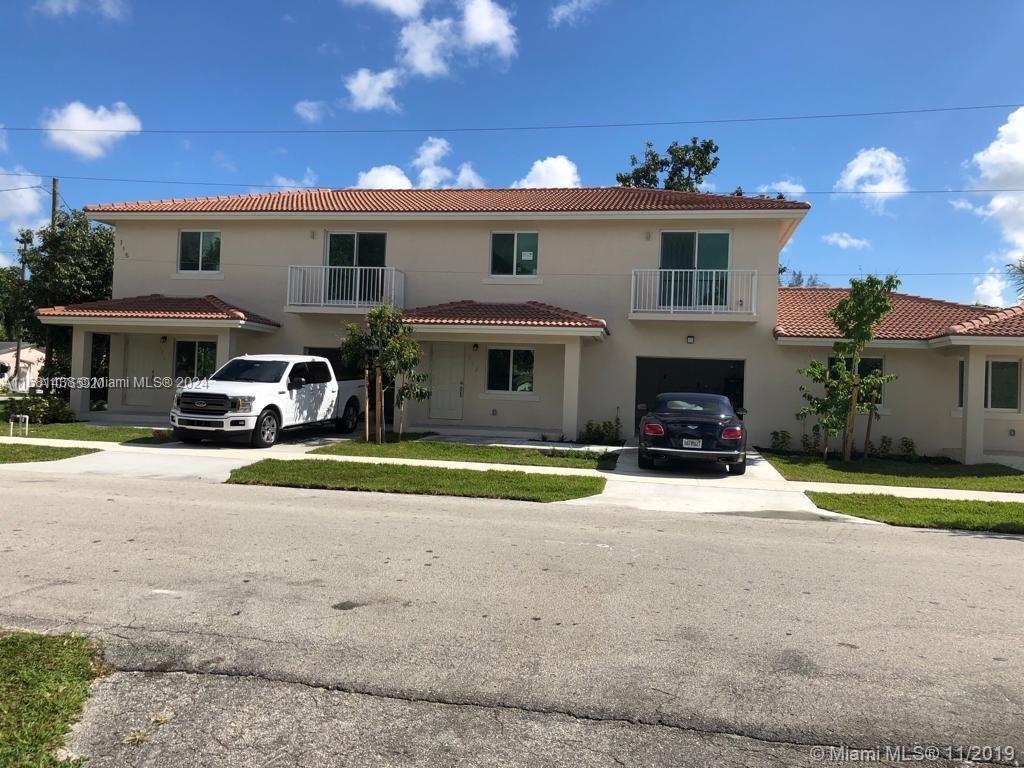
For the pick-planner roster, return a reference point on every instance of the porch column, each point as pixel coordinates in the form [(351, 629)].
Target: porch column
[(973, 419), (225, 346), (571, 390), (81, 366)]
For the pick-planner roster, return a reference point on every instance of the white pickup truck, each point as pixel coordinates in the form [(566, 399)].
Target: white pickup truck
[(257, 396)]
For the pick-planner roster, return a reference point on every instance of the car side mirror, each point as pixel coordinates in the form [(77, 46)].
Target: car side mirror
[(297, 383), (741, 412)]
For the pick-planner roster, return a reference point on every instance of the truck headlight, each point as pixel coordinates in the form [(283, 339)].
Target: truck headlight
[(242, 404)]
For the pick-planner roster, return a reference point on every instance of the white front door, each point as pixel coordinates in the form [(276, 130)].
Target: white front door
[(141, 359), (447, 367)]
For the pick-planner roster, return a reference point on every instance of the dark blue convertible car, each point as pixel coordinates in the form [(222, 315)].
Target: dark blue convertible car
[(694, 427)]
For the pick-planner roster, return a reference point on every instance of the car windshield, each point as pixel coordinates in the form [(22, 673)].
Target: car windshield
[(687, 403), (265, 371)]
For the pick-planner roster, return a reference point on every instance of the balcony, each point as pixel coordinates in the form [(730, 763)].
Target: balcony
[(693, 294), (344, 289)]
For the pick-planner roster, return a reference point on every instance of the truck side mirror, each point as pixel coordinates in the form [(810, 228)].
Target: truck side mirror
[(297, 383)]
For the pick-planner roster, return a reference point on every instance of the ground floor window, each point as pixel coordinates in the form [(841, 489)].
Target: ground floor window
[(509, 370), (868, 367), (194, 359), (1002, 385)]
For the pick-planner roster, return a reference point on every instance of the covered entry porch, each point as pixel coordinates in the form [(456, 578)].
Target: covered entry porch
[(501, 369), (156, 342)]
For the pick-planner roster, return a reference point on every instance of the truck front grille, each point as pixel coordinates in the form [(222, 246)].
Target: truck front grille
[(209, 405)]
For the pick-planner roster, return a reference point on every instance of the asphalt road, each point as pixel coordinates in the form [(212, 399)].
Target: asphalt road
[(285, 627)]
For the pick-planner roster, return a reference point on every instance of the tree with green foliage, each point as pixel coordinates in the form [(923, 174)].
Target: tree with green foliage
[(682, 167), (847, 390), (69, 263), (387, 348)]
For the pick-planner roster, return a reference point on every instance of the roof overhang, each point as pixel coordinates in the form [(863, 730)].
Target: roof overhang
[(794, 216), (468, 329), (153, 324), (936, 343)]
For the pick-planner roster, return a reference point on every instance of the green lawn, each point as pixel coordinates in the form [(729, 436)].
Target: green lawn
[(490, 454), (80, 430), (44, 682), (919, 474), (998, 516), (16, 453), (397, 478)]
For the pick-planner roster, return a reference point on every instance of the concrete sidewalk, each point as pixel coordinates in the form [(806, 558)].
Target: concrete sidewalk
[(910, 492)]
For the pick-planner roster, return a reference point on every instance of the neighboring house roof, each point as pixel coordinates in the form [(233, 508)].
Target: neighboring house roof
[(399, 201), (12, 346), (156, 306), (525, 314), (802, 314)]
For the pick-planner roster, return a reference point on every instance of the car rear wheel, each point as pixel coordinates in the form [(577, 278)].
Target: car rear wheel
[(267, 429), (644, 460), (739, 468), (350, 417)]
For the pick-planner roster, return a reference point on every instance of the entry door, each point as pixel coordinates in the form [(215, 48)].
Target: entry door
[(141, 360), (447, 368)]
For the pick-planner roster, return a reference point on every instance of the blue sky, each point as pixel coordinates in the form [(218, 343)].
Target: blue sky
[(461, 63)]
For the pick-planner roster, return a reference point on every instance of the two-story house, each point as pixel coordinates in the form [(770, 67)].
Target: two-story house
[(537, 309)]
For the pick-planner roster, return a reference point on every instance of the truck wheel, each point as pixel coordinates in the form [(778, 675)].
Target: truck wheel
[(350, 418), (267, 428)]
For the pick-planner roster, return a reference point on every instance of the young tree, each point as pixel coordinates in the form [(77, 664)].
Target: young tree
[(856, 316), (386, 347), (682, 167), (829, 408)]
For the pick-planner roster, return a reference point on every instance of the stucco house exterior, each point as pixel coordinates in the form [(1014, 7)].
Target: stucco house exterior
[(537, 309), (29, 365)]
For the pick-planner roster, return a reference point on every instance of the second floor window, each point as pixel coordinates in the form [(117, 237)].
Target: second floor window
[(199, 252), (514, 254)]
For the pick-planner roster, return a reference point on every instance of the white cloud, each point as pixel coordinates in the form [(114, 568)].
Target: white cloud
[(787, 187), (288, 19), (383, 177), (406, 9), (372, 90), (22, 207), (428, 161), (467, 178), (112, 9), (571, 11), (991, 289), (846, 241), (90, 133), (485, 24), (225, 162), (557, 171), (312, 111), (3, 138), (287, 183), (963, 204), (1001, 165), (878, 171), (425, 46)]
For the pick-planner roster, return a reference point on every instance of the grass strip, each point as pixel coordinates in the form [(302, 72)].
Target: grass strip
[(910, 474), (79, 430), (956, 514), (44, 682), (16, 453), (435, 481), (486, 454)]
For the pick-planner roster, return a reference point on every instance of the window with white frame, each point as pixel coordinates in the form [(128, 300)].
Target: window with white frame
[(194, 359), (198, 251), (514, 254), (1002, 385), (868, 367), (509, 370)]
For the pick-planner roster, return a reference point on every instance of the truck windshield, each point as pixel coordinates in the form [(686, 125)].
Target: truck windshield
[(265, 371)]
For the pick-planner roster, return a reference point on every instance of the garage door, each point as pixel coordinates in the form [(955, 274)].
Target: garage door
[(686, 374)]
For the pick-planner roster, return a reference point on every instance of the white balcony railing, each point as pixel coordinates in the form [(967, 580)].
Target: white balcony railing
[(357, 287), (704, 291)]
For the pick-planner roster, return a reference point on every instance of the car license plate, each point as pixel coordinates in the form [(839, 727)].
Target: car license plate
[(691, 442)]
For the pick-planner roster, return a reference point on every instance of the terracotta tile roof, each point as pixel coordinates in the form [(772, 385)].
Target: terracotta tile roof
[(592, 199), (527, 314), (158, 306), (802, 315)]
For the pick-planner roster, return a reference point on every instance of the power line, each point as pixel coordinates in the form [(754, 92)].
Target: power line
[(520, 128), (832, 192)]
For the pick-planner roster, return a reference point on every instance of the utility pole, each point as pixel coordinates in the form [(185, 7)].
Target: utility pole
[(22, 253), (54, 195), (48, 359)]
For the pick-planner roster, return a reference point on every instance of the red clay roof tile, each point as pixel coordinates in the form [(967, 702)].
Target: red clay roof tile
[(158, 306), (407, 201), (802, 315), (530, 313)]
